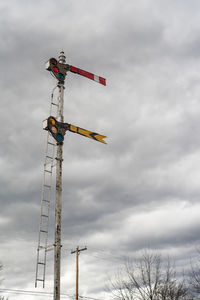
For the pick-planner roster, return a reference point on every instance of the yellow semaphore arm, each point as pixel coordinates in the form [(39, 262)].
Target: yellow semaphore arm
[(92, 135)]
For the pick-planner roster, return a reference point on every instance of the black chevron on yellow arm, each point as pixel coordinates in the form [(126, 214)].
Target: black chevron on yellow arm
[(92, 135)]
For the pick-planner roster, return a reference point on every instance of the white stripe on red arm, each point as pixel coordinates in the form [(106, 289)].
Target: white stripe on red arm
[(89, 75)]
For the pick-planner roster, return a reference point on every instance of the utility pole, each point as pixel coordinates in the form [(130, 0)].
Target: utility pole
[(77, 267), (58, 205)]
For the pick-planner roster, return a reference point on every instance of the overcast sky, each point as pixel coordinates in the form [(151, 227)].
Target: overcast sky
[(139, 191)]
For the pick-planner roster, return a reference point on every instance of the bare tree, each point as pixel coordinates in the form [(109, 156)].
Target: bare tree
[(146, 279), (170, 287), (194, 276), (2, 297)]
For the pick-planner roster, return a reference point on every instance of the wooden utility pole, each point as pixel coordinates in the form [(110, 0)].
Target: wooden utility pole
[(77, 267)]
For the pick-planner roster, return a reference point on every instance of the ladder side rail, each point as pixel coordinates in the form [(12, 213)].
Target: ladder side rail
[(40, 223), (44, 209), (48, 210), (54, 105), (49, 161)]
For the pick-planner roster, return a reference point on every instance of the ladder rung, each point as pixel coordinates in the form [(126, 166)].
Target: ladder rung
[(41, 263), (49, 156), (45, 216), (51, 143), (41, 247), (39, 279), (43, 231), (47, 171), (46, 200), (47, 185), (54, 104), (50, 249)]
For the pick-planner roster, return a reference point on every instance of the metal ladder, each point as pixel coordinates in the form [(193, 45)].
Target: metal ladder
[(49, 164)]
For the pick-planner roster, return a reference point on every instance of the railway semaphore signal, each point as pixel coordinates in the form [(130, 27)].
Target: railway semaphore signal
[(57, 128), (59, 70)]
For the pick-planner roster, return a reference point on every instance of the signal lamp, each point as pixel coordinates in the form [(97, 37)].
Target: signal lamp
[(56, 128), (57, 69), (52, 120), (53, 61), (59, 137), (61, 76)]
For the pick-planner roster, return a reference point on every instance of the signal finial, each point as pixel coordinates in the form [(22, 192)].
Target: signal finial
[(62, 57)]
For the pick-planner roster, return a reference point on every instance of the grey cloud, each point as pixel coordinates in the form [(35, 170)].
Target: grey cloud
[(149, 111)]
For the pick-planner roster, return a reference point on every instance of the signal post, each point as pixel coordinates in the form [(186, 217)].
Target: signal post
[(58, 204), (58, 128)]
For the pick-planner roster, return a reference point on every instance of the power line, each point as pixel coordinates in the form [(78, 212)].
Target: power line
[(46, 294), (85, 297), (105, 255), (32, 293), (108, 253)]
